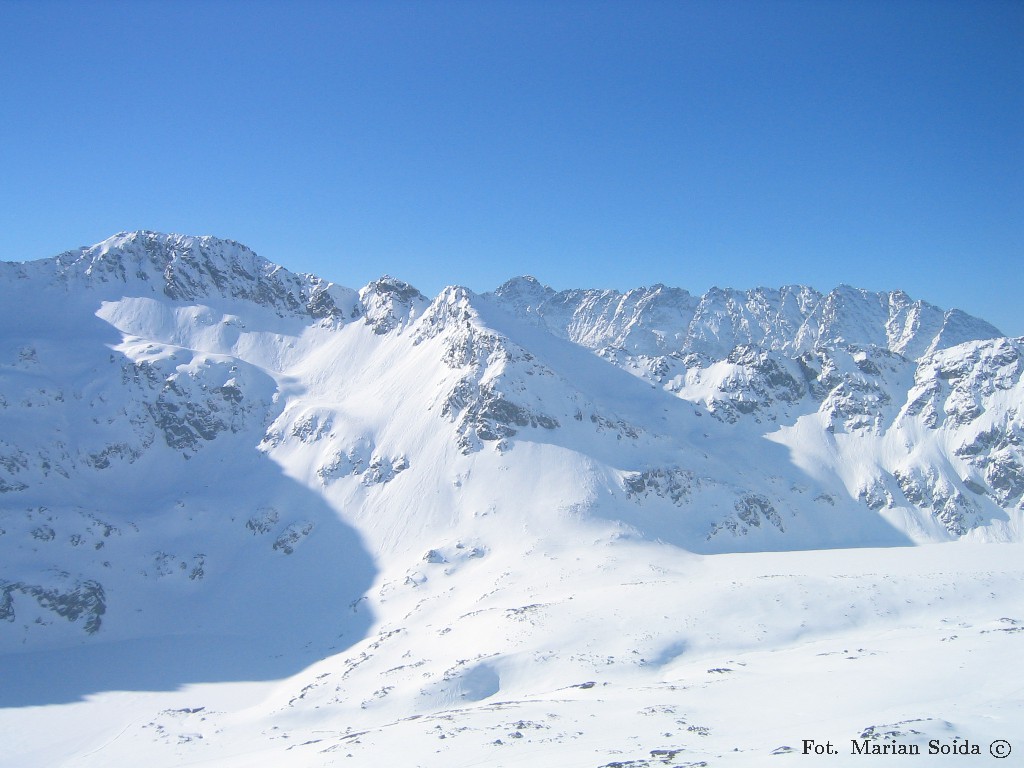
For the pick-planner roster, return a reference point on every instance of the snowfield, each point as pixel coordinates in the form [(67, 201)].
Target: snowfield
[(601, 653), (253, 518)]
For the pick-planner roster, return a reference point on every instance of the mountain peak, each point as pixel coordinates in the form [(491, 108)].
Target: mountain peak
[(403, 522), (523, 293), (392, 286), (662, 320), (391, 303), (191, 268)]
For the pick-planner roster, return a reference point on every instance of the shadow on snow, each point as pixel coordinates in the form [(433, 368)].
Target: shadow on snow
[(271, 598)]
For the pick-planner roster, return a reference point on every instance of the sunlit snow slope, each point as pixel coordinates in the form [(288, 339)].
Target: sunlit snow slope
[(305, 503)]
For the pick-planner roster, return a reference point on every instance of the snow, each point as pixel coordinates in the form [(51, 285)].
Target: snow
[(250, 518), (594, 653)]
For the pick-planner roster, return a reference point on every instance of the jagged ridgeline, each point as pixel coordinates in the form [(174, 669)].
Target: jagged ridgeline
[(177, 412)]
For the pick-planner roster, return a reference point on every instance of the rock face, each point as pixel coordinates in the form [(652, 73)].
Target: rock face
[(83, 601), (179, 417), (191, 269), (793, 319), (870, 368)]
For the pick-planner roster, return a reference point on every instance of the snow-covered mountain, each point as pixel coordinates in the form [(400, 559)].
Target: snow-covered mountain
[(213, 469), (913, 409)]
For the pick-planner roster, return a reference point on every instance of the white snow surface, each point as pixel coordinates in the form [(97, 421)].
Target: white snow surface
[(249, 517)]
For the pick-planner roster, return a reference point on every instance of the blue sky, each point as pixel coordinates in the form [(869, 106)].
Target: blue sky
[(591, 144)]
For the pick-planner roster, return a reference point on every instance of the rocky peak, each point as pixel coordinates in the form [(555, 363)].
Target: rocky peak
[(390, 303), (661, 320), (186, 268), (524, 294)]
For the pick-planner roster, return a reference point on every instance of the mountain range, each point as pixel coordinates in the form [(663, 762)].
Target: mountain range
[(216, 472)]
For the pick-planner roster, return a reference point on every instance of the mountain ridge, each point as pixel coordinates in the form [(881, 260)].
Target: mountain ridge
[(737, 420), (152, 254), (184, 268), (754, 316), (401, 512)]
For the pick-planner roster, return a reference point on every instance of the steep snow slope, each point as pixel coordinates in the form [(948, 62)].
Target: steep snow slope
[(213, 470), (879, 397)]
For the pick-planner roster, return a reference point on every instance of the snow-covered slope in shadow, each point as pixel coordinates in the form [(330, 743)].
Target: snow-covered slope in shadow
[(249, 517), (147, 540)]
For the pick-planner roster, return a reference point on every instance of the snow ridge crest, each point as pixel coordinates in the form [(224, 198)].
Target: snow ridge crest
[(793, 319), (189, 268)]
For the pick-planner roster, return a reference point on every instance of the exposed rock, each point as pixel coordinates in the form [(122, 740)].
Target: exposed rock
[(673, 483), (81, 600)]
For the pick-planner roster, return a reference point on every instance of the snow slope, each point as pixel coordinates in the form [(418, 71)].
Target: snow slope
[(250, 517)]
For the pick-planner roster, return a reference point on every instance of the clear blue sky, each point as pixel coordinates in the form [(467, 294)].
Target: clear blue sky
[(591, 144)]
